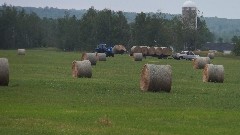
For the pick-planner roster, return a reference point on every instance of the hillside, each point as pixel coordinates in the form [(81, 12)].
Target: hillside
[(221, 27)]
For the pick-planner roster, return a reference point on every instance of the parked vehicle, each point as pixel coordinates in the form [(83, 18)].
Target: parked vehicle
[(188, 55), (102, 48)]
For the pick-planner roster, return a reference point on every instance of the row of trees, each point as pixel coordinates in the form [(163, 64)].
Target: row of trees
[(21, 30)]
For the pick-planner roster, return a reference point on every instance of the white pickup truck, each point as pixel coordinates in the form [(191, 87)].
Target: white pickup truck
[(188, 55)]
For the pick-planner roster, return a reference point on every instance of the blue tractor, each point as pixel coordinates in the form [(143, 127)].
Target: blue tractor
[(102, 48)]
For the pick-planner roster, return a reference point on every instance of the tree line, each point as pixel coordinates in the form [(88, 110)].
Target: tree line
[(19, 29)]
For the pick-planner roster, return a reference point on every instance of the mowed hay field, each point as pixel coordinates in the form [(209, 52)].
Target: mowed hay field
[(44, 98)]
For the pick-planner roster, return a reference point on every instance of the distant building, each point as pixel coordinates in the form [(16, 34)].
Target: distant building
[(189, 14), (221, 47)]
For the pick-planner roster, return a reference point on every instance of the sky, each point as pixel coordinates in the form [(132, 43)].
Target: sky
[(208, 8)]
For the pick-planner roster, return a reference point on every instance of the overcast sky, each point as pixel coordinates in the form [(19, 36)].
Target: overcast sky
[(210, 8)]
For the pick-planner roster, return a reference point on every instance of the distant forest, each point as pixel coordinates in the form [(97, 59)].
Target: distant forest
[(223, 29), (82, 30)]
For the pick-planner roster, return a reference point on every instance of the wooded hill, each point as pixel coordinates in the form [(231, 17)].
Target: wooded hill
[(221, 27)]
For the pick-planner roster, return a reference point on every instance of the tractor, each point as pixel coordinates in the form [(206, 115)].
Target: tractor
[(102, 48)]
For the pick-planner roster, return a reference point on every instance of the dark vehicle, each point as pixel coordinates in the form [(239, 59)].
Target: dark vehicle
[(102, 48)]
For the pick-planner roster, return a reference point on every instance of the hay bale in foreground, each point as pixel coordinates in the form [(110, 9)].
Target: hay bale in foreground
[(135, 49), (137, 56), (91, 57), (82, 69), (119, 49), (213, 73), (200, 62), (101, 56), (211, 55), (156, 78), (151, 51), (4, 72), (21, 51)]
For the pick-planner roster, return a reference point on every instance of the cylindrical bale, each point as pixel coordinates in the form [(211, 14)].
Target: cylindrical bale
[(119, 49), (211, 55), (135, 49), (167, 51), (144, 50), (137, 56), (151, 51), (213, 73), (91, 57), (21, 51), (200, 62), (158, 51), (82, 69), (101, 56), (156, 78), (4, 72)]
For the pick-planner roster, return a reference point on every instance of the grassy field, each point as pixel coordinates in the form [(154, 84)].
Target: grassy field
[(44, 98)]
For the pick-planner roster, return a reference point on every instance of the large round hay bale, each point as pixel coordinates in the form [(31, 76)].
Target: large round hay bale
[(158, 51), (101, 56), (211, 55), (21, 51), (91, 57), (82, 69), (200, 62), (135, 49), (144, 50), (167, 51), (119, 49), (4, 72), (156, 78), (137, 56), (213, 73), (151, 51)]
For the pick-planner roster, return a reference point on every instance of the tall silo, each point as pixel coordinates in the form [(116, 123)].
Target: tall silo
[(189, 14)]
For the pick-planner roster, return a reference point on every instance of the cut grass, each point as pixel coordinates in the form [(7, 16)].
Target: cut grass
[(43, 98)]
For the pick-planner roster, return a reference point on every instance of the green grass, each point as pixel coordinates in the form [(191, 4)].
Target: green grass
[(43, 98)]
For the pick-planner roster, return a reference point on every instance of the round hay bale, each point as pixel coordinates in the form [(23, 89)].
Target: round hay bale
[(82, 69), (200, 62), (4, 72), (156, 78), (158, 51), (144, 50), (167, 51), (101, 56), (21, 51), (211, 55), (135, 49), (151, 51), (119, 49), (213, 73), (91, 57), (137, 56)]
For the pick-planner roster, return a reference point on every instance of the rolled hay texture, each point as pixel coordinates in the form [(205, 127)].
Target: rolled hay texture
[(4, 72), (144, 50), (91, 57), (213, 73), (82, 69), (167, 51), (158, 51), (137, 56), (135, 49), (119, 49), (101, 56), (21, 51), (200, 62), (156, 78), (211, 55), (151, 51)]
